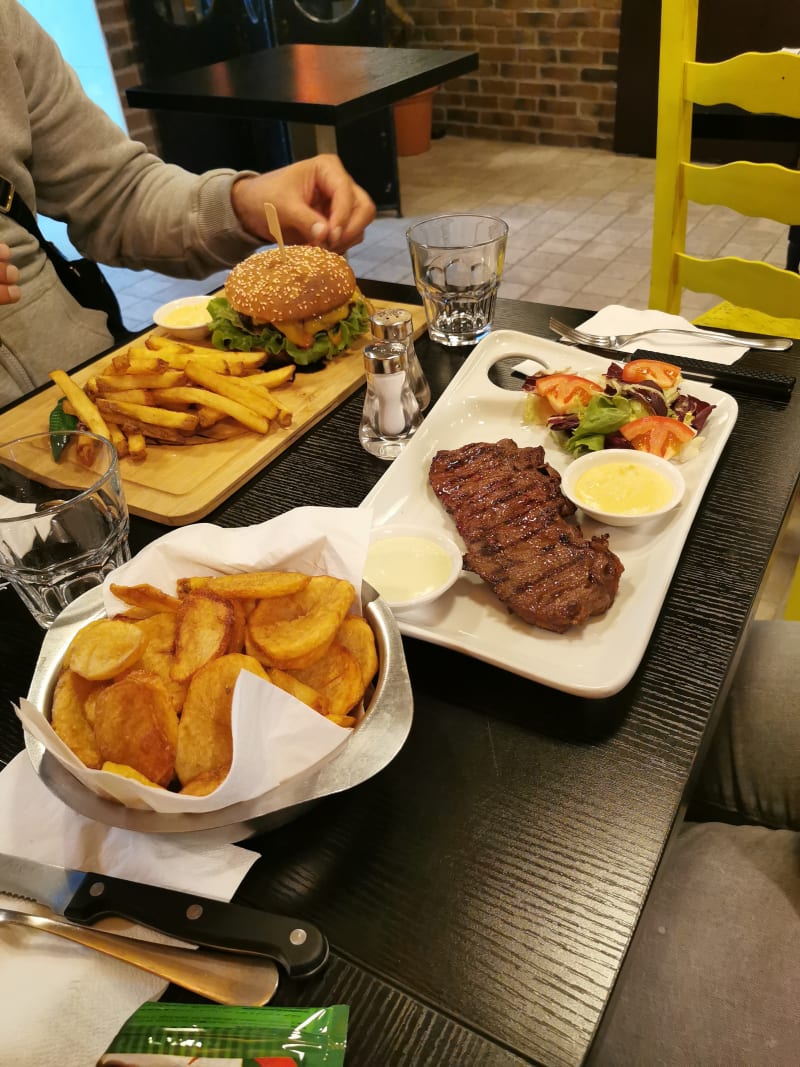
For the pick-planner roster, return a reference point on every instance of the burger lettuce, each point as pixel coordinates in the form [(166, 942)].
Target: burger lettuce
[(229, 330)]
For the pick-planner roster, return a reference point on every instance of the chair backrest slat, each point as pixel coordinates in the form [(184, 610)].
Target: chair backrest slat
[(744, 282), (760, 190), (761, 82)]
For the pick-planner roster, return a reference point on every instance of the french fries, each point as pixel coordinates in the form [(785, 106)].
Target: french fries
[(147, 694), (167, 392)]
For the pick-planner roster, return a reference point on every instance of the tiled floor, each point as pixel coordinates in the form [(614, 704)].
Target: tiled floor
[(580, 223)]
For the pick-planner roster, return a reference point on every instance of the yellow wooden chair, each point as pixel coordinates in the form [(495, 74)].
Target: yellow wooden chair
[(792, 608), (765, 83)]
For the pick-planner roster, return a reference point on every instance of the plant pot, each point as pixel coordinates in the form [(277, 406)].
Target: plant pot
[(413, 119)]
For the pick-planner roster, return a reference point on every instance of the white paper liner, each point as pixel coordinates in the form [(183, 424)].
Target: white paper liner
[(275, 736)]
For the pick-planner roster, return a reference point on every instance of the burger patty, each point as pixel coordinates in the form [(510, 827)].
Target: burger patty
[(508, 508)]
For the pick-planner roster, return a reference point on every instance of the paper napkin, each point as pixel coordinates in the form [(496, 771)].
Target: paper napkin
[(60, 999), (616, 319)]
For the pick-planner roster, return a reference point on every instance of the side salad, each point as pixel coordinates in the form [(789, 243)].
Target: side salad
[(634, 405)]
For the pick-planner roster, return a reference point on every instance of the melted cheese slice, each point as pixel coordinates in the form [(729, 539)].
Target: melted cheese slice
[(301, 333)]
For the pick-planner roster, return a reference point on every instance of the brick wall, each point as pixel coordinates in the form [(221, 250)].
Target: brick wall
[(547, 71), (123, 53)]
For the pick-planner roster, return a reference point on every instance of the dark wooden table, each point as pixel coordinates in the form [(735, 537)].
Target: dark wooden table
[(320, 87), (480, 893)]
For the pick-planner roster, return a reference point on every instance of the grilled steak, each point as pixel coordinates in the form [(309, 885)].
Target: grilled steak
[(508, 507)]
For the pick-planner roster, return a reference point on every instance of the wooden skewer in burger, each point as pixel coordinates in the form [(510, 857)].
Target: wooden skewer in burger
[(298, 303)]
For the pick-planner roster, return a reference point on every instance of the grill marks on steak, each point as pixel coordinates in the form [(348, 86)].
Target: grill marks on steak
[(508, 507)]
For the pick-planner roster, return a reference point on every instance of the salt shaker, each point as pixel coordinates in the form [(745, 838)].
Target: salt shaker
[(391, 413), (396, 324)]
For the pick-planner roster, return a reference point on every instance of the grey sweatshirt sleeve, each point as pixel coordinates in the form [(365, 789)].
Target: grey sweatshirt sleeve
[(122, 205)]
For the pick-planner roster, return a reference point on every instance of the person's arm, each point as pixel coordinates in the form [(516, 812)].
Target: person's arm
[(126, 207), (9, 276)]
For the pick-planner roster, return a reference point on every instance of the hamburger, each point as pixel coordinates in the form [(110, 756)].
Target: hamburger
[(299, 304)]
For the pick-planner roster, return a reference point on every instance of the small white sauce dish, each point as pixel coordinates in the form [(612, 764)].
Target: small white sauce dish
[(623, 486), (411, 566), (186, 318)]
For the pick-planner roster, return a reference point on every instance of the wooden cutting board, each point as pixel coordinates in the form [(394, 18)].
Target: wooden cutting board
[(180, 484)]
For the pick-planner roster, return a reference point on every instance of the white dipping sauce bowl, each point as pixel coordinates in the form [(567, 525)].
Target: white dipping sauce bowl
[(406, 553), (197, 321), (591, 460)]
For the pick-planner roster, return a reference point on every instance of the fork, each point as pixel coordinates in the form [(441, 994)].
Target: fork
[(616, 341)]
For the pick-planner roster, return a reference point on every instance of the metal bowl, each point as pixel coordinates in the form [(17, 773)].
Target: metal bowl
[(375, 741)]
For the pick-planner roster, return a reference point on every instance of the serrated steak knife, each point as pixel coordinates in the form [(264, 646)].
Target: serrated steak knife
[(85, 898)]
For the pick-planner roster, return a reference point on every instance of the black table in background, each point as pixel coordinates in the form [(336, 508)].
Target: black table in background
[(320, 90), (480, 893)]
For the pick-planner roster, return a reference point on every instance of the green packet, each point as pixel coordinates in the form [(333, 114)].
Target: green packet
[(215, 1035)]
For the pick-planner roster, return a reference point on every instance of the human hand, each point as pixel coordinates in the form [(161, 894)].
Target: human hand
[(9, 276), (316, 200)]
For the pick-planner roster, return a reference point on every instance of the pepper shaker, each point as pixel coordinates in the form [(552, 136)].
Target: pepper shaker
[(391, 413), (396, 324)]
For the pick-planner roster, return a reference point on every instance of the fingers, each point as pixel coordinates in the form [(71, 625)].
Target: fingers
[(316, 200), (350, 209), (9, 276)]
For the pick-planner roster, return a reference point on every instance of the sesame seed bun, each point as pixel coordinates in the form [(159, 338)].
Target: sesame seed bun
[(299, 283)]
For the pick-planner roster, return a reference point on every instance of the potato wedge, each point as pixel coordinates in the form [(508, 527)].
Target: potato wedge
[(68, 717), (347, 721), (297, 689), (205, 623), (135, 724), (160, 630), (106, 649), (249, 586), (205, 742), (124, 771), (145, 596), (337, 677), (205, 783), (357, 637), (292, 632)]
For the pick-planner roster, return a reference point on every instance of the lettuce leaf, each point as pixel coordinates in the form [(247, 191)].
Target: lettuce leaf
[(603, 415), (227, 332)]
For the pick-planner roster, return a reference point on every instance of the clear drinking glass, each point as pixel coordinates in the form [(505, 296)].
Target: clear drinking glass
[(458, 262), (63, 523)]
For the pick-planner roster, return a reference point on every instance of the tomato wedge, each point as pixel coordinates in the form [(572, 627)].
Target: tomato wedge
[(665, 375), (657, 434), (567, 394)]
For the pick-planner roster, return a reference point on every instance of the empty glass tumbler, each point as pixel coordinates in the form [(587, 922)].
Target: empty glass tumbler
[(63, 522), (458, 262)]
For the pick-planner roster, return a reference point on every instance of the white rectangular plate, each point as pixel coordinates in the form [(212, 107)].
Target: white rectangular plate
[(596, 659)]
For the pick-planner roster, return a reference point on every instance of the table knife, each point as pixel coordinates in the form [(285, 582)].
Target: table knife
[(84, 898), (752, 380)]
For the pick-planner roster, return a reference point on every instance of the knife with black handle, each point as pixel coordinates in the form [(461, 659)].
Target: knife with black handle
[(85, 898), (769, 384)]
